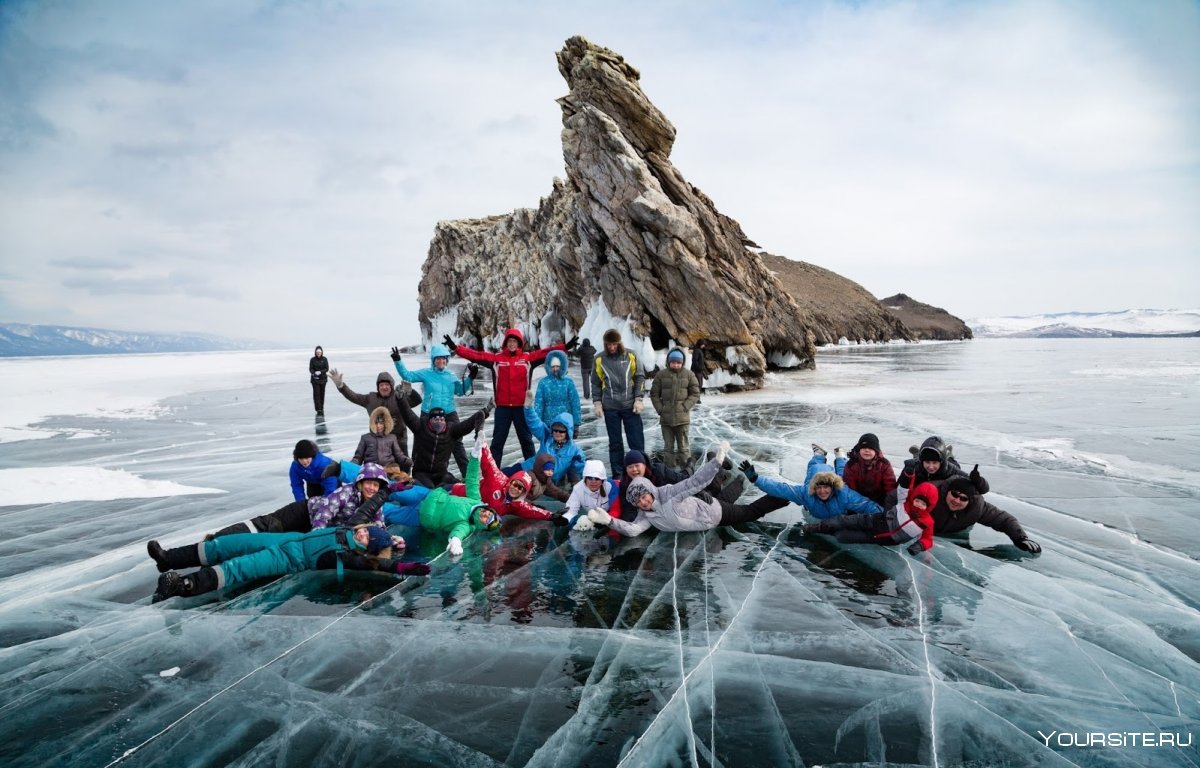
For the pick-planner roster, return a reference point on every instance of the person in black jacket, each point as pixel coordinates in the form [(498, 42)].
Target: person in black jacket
[(698, 365), (385, 394), (961, 505), (932, 463), (587, 357), (318, 369), (434, 438)]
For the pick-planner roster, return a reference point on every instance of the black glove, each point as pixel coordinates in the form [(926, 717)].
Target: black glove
[(1029, 545), (574, 342), (395, 354), (915, 548), (472, 370), (976, 479), (559, 521), (748, 470), (449, 342)]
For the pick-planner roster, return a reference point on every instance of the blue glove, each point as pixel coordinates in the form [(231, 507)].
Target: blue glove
[(748, 470)]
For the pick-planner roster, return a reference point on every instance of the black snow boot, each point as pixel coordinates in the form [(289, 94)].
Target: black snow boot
[(171, 584), (173, 559)]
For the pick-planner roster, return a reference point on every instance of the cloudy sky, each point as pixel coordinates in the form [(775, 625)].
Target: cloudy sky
[(274, 170)]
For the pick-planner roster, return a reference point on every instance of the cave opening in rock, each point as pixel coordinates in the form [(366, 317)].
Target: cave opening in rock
[(660, 338)]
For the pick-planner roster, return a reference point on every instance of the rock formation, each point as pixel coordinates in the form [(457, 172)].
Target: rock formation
[(625, 240), (925, 322)]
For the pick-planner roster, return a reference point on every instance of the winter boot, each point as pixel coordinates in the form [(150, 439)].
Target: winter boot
[(235, 528), (818, 450), (837, 453), (171, 584), (726, 465), (172, 559), (333, 470)]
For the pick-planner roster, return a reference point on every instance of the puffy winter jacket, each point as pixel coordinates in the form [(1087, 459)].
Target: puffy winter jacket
[(511, 371), (440, 387), (876, 480), (373, 400), (382, 449), (432, 450), (556, 393), (676, 508), (914, 470), (674, 395), (946, 521), (455, 516), (568, 458), (300, 476), (341, 507), (617, 380), (493, 488), (842, 501)]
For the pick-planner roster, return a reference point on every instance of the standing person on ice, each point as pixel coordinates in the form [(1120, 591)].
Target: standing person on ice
[(512, 371), (385, 394), (556, 393), (227, 561), (318, 370), (618, 384), (674, 393), (440, 387), (676, 508)]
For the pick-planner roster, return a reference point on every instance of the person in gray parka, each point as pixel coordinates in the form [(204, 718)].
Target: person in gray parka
[(677, 507)]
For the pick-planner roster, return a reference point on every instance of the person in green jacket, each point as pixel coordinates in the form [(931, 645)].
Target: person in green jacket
[(441, 512), (674, 393)]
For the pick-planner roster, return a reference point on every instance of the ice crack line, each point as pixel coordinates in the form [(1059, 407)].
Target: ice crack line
[(682, 689), (928, 663), (129, 752)]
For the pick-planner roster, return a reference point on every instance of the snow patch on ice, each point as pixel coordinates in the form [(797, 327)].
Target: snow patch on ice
[(48, 485)]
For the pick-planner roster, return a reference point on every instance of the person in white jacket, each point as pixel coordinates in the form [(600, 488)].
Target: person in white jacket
[(676, 508), (594, 491)]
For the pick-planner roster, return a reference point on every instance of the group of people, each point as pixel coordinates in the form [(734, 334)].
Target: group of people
[(341, 509)]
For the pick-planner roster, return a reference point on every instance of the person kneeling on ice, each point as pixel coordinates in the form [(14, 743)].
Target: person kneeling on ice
[(674, 507), (348, 505), (238, 558), (823, 494), (440, 511), (962, 505), (899, 525), (594, 491)]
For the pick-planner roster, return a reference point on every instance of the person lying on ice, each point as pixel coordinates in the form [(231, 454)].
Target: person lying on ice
[(594, 491), (440, 511), (238, 558), (675, 508), (823, 494), (899, 525), (962, 505), (348, 505), (505, 495)]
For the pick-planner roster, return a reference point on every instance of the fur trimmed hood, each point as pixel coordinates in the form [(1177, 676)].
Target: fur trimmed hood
[(825, 478), (381, 413)]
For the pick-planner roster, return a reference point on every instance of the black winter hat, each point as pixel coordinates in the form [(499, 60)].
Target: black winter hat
[(305, 449), (930, 454), (962, 485), (868, 440)]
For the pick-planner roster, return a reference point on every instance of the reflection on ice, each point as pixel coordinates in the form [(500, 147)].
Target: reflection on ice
[(540, 647)]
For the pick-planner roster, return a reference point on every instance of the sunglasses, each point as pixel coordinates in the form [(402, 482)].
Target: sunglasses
[(596, 479), (559, 431), (959, 495)]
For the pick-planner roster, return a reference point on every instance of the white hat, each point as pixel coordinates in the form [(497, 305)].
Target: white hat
[(594, 468)]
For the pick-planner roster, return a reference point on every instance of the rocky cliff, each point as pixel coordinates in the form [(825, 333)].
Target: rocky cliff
[(926, 323), (625, 241)]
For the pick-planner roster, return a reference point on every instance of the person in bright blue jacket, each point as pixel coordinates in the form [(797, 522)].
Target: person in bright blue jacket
[(556, 441), (823, 494), (307, 470), (556, 393), (439, 387)]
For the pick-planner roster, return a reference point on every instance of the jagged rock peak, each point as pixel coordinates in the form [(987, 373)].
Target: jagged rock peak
[(624, 241)]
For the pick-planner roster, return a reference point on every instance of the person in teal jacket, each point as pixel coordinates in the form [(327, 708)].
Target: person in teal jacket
[(556, 393), (439, 387), (243, 557), (437, 510), (823, 494)]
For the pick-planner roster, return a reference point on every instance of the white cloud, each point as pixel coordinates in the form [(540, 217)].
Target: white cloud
[(278, 167)]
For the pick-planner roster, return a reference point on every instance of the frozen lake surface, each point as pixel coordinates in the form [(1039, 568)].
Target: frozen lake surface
[(739, 647)]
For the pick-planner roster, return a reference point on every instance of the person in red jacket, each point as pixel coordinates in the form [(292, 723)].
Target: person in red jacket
[(506, 495), (899, 525), (512, 370), (870, 473)]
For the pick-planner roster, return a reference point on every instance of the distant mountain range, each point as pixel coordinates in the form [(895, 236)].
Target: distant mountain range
[(20, 340), (1129, 323)]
